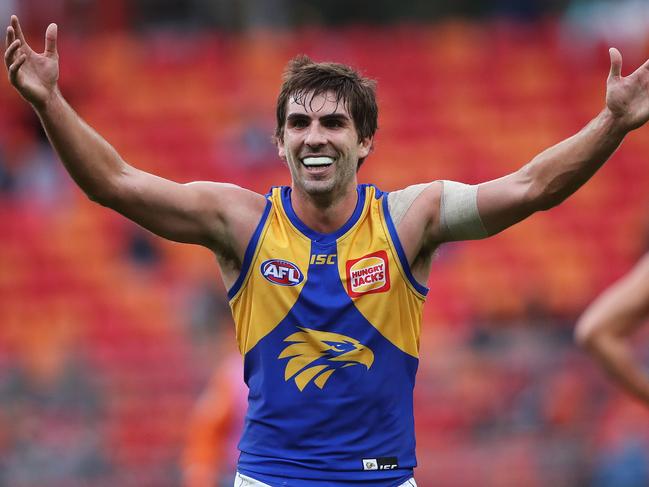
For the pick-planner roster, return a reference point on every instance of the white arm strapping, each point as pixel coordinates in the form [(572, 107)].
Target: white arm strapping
[(399, 202), (459, 216)]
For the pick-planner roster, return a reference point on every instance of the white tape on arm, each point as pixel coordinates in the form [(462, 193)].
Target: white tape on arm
[(399, 202), (459, 216)]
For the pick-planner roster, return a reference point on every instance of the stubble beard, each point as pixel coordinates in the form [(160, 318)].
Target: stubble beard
[(330, 188)]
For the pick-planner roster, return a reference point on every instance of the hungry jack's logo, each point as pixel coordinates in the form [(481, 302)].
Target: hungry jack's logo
[(368, 274), (315, 355)]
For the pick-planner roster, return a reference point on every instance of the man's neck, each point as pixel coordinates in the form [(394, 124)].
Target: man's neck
[(324, 214)]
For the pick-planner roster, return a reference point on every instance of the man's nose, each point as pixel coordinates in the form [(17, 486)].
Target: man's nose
[(315, 136)]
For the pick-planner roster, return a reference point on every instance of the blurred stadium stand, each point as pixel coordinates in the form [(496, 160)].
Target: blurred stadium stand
[(108, 335)]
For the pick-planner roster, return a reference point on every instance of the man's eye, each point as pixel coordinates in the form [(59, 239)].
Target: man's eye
[(334, 124), (299, 123)]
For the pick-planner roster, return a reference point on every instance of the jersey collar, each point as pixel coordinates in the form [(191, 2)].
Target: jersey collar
[(317, 236)]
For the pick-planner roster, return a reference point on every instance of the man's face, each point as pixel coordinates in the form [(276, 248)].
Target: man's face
[(321, 145)]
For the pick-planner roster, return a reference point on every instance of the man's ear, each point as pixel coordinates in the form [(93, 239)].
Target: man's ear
[(365, 147), (281, 151)]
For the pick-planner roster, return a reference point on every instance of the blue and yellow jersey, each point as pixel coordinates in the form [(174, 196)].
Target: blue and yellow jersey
[(328, 325)]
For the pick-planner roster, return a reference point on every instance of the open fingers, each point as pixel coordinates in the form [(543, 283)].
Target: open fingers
[(16, 25), (11, 36), (11, 51), (15, 66)]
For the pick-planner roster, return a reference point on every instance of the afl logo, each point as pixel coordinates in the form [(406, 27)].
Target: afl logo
[(281, 272)]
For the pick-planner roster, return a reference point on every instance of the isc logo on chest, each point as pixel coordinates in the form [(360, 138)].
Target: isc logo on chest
[(281, 272)]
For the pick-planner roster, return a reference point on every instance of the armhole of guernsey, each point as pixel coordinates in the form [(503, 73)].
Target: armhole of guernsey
[(251, 251), (404, 267)]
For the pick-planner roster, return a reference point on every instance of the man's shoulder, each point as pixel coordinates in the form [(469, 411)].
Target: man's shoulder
[(247, 202), (238, 209), (401, 201)]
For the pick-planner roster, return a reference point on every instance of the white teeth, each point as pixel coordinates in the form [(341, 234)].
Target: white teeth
[(317, 161)]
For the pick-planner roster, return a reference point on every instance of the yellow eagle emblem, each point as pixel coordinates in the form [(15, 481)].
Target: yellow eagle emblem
[(316, 355)]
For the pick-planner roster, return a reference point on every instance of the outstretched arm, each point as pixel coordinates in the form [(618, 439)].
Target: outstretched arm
[(212, 214), (605, 325), (548, 179), (559, 171), (551, 176)]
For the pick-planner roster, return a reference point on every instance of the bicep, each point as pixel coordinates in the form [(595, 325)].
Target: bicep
[(450, 211), (444, 211), (197, 212)]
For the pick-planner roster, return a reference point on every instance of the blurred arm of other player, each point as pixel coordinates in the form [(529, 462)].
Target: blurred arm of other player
[(603, 329), (219, 216)]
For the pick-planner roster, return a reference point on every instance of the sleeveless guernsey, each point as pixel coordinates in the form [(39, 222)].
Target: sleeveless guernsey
[(328, 325)]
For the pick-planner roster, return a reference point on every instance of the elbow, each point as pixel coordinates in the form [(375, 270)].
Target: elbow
[(96, 197), (543, 197), (544, 192), (103, 197), (587, 334), (108, 191), (582, 335), (549, 202), (534, 193)]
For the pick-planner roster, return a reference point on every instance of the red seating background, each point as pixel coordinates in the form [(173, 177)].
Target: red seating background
[(457, 101)]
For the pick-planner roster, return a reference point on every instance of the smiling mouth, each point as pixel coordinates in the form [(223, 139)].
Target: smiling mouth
[(317, 161)]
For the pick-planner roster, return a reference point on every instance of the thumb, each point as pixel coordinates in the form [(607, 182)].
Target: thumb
[(616, 63), (50, 39)]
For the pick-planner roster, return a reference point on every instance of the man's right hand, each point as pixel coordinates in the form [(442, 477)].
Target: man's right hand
[(33, 75)]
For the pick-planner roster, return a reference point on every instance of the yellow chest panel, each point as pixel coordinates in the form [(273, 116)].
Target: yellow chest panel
[(291, 272)]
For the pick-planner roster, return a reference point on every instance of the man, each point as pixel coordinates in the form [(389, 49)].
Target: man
[(604, 326), (325, 276)]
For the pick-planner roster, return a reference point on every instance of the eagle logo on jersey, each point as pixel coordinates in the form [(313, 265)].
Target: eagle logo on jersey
[(315, 355)]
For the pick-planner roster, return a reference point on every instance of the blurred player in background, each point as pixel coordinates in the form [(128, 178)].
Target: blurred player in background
[(325, 277), (604, 327), (210, 455)]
